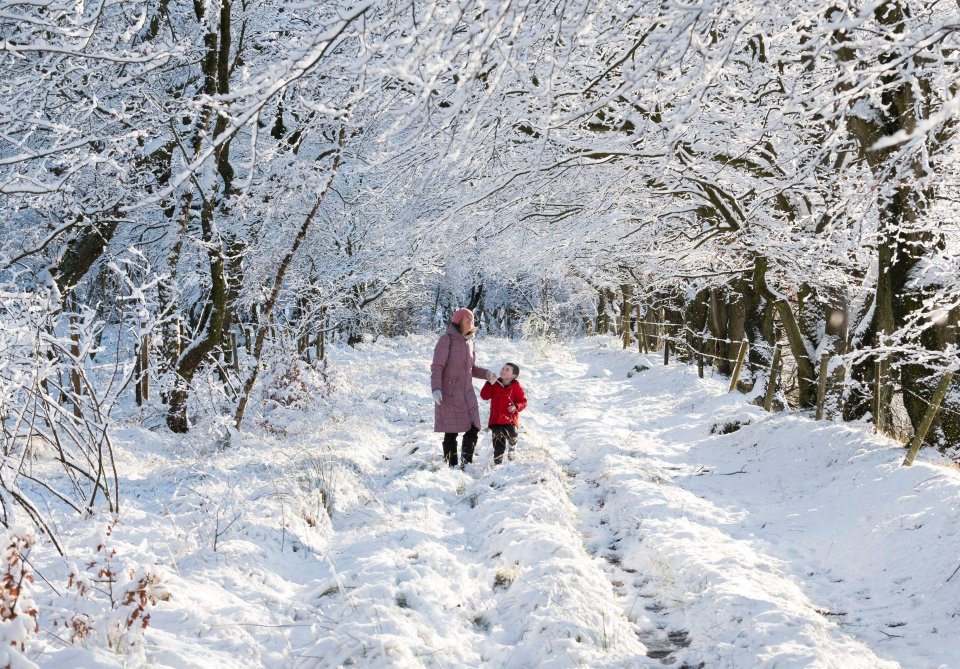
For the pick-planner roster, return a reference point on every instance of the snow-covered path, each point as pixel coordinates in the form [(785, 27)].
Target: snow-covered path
[(629, 532), (700, 589)]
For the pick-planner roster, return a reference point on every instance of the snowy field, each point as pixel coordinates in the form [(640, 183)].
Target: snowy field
[(631, 531)]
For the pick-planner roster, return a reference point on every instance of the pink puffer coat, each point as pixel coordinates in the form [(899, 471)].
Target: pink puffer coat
[(453, 368)]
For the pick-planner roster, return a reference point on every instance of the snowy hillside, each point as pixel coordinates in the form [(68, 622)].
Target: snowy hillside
[(650, 519)]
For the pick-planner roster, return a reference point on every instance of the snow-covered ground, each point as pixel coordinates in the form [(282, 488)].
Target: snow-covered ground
[(636, 528)]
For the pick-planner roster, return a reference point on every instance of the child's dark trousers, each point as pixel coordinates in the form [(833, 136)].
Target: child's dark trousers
[(504, 439)]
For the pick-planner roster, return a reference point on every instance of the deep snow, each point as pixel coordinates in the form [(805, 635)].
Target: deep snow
[(629, 531)]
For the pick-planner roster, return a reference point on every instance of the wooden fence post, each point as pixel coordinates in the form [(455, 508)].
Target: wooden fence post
[(879, 403), (627, 291), (75, 373), (662, 333), (601, 312), (235, 352), (699, 340), (641, 341), (822, 384), (665, 337), (144, 380), (321, 335), (772, 382), (736, 370), (917, 440)]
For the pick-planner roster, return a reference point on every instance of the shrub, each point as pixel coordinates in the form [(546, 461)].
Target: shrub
[(126, 593), (505, 576), (18, 613)]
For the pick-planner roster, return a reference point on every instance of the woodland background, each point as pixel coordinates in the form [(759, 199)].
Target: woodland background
[(198, 197)]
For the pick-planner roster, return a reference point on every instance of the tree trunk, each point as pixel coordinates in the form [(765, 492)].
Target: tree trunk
[(736, 322), (82, 251), (197, 351), (946, 424), (278, 283), (625, 313), (476, 299), (603, 324), (166, 290), (216, 306), (902, 205), (761, 350), (806, 377), (719, 348), (695, 317)]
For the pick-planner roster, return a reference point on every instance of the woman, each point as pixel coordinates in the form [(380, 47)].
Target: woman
[(456, 409)]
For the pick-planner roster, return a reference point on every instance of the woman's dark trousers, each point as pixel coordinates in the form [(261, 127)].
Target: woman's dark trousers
[(468, 446)]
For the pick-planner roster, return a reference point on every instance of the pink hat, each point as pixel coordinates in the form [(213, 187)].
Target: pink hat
[(460, 314)]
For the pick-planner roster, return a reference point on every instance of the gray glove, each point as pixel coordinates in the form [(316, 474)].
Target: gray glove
[(437, 397), (491, 377)]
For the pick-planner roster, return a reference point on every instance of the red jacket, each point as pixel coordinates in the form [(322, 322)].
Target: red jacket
[(502, 398)]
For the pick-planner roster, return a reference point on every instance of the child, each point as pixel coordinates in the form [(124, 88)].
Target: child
[(507, 401)]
